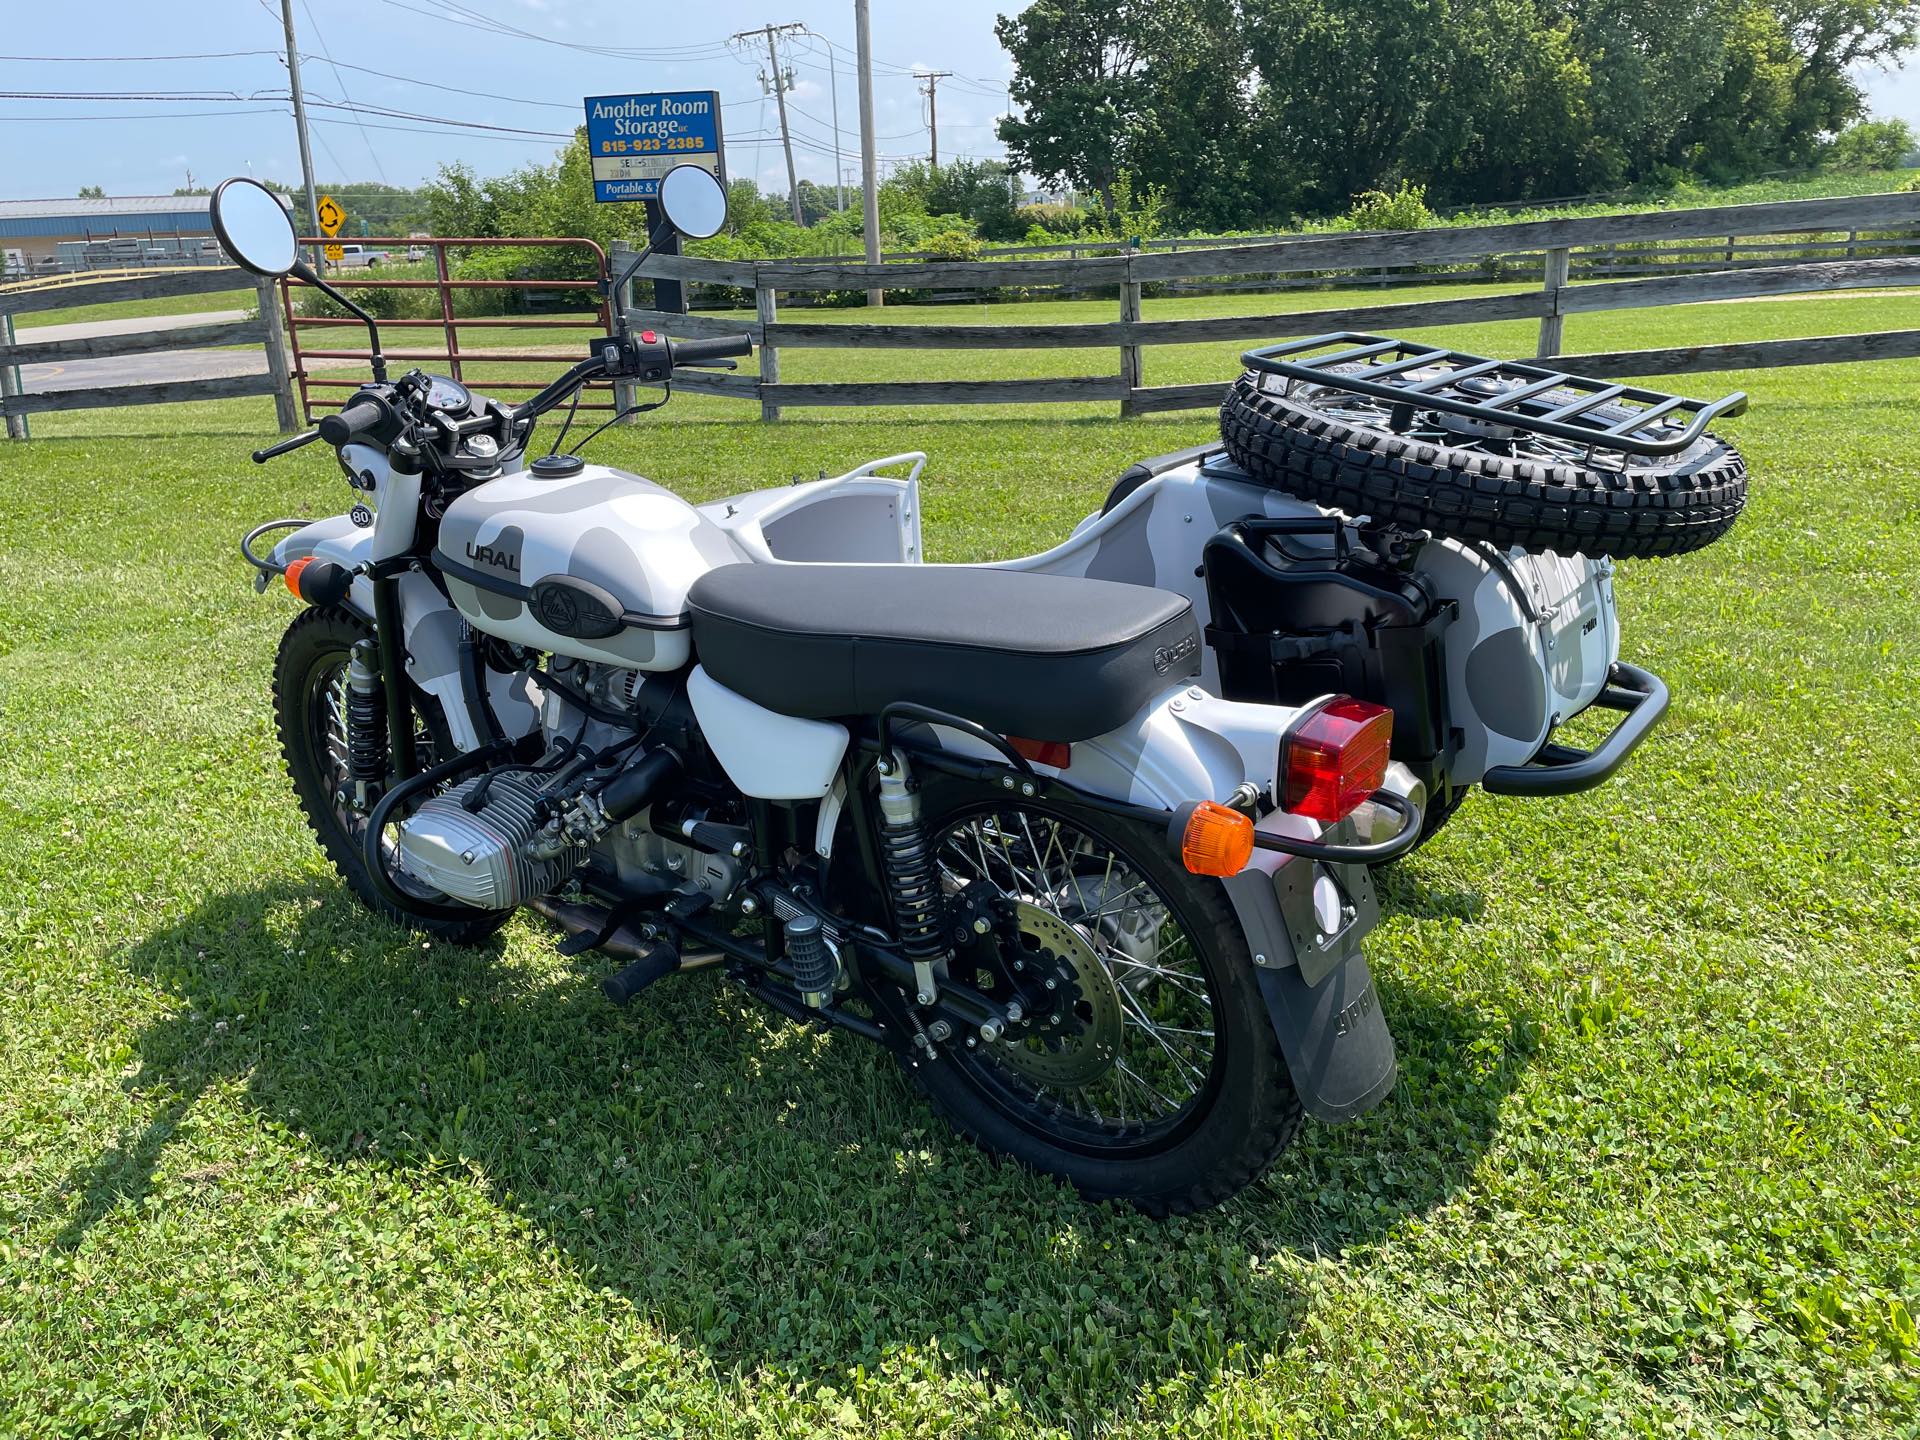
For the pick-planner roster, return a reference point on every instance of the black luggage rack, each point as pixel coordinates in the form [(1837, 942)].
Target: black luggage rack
[(1411, 377)]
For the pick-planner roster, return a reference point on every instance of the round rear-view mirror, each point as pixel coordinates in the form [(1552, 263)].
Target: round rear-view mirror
[(694, 201), (254, 227)]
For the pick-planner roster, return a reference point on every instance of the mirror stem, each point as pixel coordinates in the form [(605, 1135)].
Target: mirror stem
[(654, 237), (307, 273)]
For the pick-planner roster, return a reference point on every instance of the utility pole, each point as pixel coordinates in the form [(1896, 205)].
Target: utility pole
[(868, 160), (781, 82), (932, 91), (300, 122), (833, 82)]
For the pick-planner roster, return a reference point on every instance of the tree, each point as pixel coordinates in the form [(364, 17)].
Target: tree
[(93, 192), (817, 202), (1079, 68), (1243, 111), (1871, 145)]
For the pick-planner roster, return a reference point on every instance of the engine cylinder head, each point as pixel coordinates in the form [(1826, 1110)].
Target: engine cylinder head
[(485, 857)]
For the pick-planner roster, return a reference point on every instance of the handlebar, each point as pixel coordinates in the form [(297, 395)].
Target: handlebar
[(349, 424), (370, 416)]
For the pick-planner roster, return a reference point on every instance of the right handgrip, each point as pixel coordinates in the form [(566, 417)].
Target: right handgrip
[(721, 347), (352, 422)]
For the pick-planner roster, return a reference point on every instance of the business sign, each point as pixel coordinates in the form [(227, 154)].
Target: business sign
[(635, 139)]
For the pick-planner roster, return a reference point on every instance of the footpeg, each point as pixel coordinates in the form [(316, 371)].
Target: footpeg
[(656, 961), (815, 972)]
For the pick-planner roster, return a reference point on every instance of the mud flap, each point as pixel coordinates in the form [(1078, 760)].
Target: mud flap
[(1319, 994), (1338, 1048)]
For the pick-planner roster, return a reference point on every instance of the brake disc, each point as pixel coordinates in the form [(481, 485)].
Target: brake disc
[(1083, 1047)]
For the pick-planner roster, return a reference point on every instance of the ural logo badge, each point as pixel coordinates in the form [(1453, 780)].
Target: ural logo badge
[(576, 608), (499, 559), (557, 609), (1168, 656), (1354, 1012)]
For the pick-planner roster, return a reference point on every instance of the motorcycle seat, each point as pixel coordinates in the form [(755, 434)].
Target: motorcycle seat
[(1043, 657)]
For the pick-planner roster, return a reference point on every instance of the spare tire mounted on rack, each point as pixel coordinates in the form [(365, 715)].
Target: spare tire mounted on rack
[(1485, 450)]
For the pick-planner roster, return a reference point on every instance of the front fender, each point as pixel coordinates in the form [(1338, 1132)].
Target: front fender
[(431, 624)]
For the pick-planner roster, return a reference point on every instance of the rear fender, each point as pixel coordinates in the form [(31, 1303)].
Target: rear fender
[(432, 628), (1304, 920)]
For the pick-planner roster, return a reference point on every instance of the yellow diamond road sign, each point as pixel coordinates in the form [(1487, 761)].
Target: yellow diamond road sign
[(330, 217), (334, 252)]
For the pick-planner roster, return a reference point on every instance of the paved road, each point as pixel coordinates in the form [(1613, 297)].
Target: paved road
[(137, 369)]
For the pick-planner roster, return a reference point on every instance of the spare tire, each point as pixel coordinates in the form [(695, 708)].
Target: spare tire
[(1514, 489)]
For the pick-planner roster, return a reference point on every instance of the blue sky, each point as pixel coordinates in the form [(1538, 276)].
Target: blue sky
[(51, 148)]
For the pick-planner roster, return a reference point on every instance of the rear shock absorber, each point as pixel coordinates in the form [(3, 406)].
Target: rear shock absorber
[(913, 880), (366, 723)]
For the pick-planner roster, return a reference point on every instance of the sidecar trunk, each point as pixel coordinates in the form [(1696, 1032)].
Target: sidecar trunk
[(1481, 654)]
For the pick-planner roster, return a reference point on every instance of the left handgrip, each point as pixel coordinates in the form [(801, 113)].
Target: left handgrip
[(260, 457)]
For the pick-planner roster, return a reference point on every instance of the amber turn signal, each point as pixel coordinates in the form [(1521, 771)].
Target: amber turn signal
[(292, 573), (1213, 839)]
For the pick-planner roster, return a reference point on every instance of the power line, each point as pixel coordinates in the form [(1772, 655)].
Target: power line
[(421, 130), (341, 80), (123, 59)]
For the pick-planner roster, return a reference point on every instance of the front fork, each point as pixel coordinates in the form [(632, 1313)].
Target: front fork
[(389, 635)]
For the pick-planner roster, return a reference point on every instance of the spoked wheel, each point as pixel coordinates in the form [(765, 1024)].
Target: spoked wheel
[(1145, 1068), (1473, 480), (310, 706)]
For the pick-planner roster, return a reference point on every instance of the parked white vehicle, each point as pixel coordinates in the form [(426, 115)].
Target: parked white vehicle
[(1083, 837), (361, 257)]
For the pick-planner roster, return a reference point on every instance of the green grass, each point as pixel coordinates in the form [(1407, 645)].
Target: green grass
[(267, 1165)]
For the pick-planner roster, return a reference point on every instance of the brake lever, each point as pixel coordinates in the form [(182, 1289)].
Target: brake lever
[(260, 457), (707, 365)]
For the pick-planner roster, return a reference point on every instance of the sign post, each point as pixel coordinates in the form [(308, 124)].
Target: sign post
[(634, 140)]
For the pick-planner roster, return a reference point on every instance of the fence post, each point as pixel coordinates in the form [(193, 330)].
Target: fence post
[(1559, 265), (1129, 348), (10, 382), (626, 394), (767, 308), (275, 340)]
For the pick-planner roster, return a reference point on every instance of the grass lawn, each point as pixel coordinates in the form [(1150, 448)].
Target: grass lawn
[(267, 1165)]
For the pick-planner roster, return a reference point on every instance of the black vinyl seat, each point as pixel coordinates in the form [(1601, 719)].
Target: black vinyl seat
[(1045, 657)]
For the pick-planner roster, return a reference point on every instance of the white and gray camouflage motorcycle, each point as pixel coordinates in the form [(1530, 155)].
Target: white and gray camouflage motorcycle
[(1085, 837)]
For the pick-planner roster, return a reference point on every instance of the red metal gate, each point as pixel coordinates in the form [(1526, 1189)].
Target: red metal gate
[(448, 324)]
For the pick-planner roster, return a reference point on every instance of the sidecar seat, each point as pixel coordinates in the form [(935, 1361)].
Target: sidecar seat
[(1046, 657)]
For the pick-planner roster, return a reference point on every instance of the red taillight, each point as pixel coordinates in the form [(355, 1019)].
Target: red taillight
[(1335, 758), (1057, 753)]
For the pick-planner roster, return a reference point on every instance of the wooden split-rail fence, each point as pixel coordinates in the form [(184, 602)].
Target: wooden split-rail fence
[(1815, 234)]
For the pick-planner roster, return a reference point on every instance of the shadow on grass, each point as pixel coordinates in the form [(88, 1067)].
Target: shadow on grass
[(779, 1199)]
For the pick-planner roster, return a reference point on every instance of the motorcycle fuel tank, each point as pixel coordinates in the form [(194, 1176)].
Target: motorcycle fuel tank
[(595, 564)]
